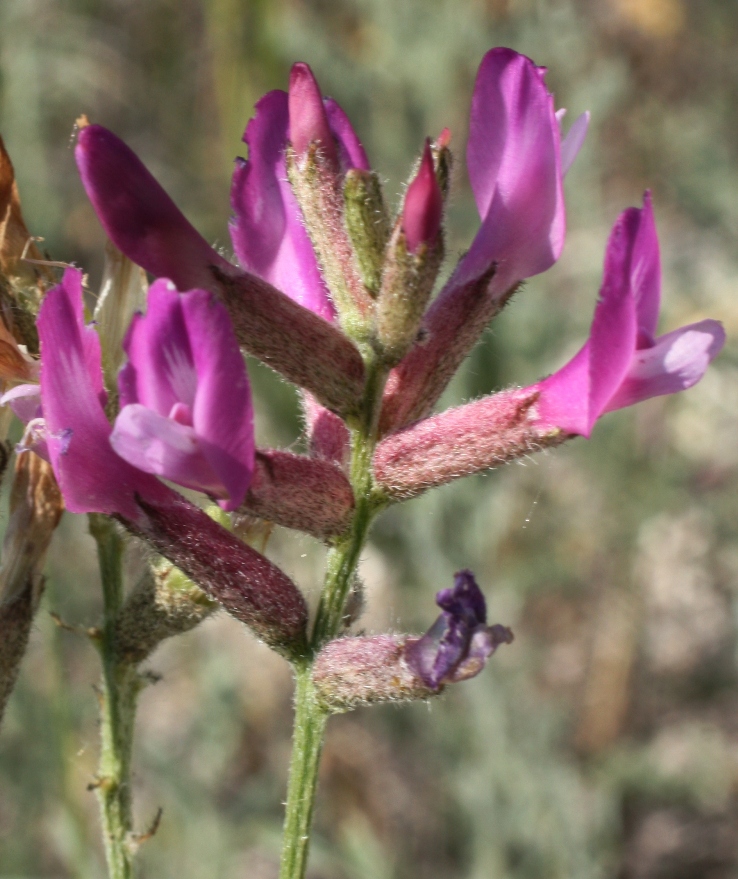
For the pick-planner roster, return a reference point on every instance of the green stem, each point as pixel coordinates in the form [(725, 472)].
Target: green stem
[(310, 721), (120, 688), (343, 559)]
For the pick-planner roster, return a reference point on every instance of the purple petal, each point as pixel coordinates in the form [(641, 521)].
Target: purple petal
[(91, 476), (573, 141), (350, 150), (423, 207), (308, 120), (267, 230), (222, 415), (564, 400), (514, 164), (676, 361), (137, 214), (24, 400), (464, 600), (156, 444), (483, 644), (160, 371), (645, 268)]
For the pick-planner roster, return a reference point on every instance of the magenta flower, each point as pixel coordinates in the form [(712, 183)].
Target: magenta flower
[(92, 477), (622, 362), (516, 164), (186, 401), (459, 643), (267, 228), (186, 412)]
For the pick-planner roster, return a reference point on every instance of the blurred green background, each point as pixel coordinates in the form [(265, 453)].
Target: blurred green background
[(604, 742)]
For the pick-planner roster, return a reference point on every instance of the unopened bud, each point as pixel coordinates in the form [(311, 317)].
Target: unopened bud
[(299, 492), (308, 119), (414, 256), (367, 223), (423, 207)]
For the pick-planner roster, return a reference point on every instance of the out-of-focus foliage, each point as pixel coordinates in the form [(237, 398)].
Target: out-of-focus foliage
[(604, 742)]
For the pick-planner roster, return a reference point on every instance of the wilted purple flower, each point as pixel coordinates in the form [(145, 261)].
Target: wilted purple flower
[(622, 362), (459, 643), (186, 412), (267, 228)]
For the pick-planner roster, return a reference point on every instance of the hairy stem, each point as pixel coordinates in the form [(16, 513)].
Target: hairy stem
[(343, 559), (119, 693)]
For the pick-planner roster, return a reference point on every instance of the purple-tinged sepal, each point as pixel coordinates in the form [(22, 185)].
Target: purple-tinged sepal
[(458, 644), (186, 412), (623, 362), (414, 257), (366, 670)]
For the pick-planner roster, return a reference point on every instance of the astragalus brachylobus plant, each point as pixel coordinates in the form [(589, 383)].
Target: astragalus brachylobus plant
[(336, 295)]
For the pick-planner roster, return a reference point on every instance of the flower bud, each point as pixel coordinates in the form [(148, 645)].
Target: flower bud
[(367, 223), (423, 208), (308, 119), (299, 492), (322, 149)]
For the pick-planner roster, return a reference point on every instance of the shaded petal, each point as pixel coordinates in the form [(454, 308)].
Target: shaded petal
[(645, 267), (677, 361), (513, 156), (573, 141), (161, 370), (267, 230), (614, 333), (91, 476), (564, 397), (308, 120), (222, 412), (138, 215), (156, 444), (350, 149)]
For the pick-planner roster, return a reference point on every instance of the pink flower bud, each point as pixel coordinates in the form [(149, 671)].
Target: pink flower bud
[(421, 213), (300, 492), (308, 117)]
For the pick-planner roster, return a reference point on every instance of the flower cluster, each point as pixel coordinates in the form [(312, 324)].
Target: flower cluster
[(333, 293)]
